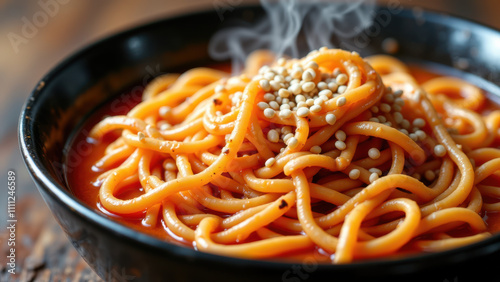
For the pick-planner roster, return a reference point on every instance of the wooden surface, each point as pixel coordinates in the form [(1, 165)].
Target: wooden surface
[(42, 252)]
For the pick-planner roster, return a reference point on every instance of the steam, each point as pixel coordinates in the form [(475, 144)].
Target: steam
[(292, 28)]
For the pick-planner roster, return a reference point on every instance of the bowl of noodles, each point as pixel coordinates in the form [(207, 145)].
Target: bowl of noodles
[(376, 160)]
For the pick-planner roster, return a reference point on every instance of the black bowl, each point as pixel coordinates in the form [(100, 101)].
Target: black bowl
[(66, 96)]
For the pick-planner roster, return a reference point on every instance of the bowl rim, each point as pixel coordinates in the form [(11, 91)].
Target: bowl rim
[(62, 194)]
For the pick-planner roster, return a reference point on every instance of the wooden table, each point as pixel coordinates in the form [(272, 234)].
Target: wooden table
[(35, 35)]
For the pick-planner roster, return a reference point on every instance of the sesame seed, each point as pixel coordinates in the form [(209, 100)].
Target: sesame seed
[(429, 175), (301, 104), (284, 105), (333, 86), (269, 113), (164, 111), (292, 142), (398, 93), (399, 101), (165, 126), (300, 98), (374, 109), (419, 122), (405, 124), (312, 64), (382, 118), (416, 175), (279, 78), (302, 112), (287, 136), (263, 105), (275, 85), (404, 131), (336, 72), (341, 89), (341, 79), (295, 89), (413, 137), (319, 101), (307, 76), (315, 149), (310, 102), (326, 92), (374, 119), (330, 119), (286, 129), (296, 73), (322, 85), (219, 88), (385, 107), (374, 153), (421, 134), (341, 101), (269, 97), (354, 173), (263, 69), (311, 71), (439, 150), (398, 117), (285, 113), (273, 136), (141, 136), (270, 162), (274, 105), (373, 177), (269, 75), (315, 109), (340, 135), (375, 170), (284, 93), (340, 145), (308, 86)]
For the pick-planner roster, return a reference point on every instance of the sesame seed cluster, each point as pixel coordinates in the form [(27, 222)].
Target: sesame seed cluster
[(388, 112), (293, 88), (300, 88)]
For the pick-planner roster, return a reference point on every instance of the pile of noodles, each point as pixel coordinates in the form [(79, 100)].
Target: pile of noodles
[(327, 152)]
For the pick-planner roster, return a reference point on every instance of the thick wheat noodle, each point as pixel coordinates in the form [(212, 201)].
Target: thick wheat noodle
[(219, 181), (114, 156), (475, 138), (469, 96)]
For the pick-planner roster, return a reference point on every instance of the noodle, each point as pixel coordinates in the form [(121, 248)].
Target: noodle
[(326, 152)]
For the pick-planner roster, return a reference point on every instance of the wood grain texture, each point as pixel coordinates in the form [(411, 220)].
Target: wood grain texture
[(43, 251)]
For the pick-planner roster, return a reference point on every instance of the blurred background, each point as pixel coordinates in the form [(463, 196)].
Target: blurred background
[(34, 37)]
